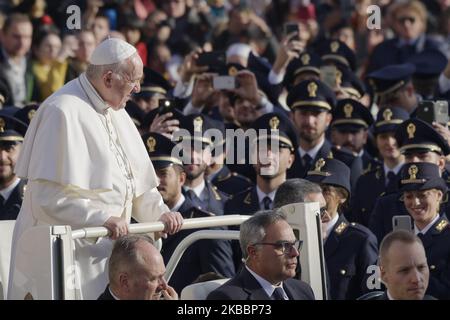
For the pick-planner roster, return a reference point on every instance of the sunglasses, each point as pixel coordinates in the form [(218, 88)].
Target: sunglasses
[(402, 20)]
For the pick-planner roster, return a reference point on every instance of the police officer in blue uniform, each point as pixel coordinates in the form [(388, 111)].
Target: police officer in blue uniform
[(203, 256), (153, 88), (274, 145), (311, 103), (423, 189), (419, 142), (26, 113), (429, 66), (219, 174), (349, 248), (12, 187), (305, 67), (197, 148), (337, 53), (349, 129), (383, 178), (392, 86)]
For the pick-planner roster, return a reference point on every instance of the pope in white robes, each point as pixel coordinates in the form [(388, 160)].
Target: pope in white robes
[(85, 163)]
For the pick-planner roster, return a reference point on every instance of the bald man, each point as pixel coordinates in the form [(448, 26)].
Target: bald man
[(136, 271), (404, 268), (87, 166)]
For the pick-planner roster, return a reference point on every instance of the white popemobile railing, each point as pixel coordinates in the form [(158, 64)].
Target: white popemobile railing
[(48, 251)]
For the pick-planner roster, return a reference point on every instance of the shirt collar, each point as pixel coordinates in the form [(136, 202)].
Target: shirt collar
[(198, 189), (313, 152), (396, 169), (178, 204), (98, 103), (7, 191), (266, 285), (262, 195), (331, 225), (428, 227), (113, 295)]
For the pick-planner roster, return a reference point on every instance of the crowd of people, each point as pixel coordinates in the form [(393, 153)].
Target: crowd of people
[(168, 110)]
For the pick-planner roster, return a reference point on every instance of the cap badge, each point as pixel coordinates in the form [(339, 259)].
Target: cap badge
[(334, 46), (312, 90), (387, 115), (31, 114), (413, 170), (274, 123), (319, 164), (305, 59), (198, 123), (411, 129), (151, 144), (348, 110), (232, 71)]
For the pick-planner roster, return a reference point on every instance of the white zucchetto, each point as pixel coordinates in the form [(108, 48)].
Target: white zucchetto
[(111, 51)]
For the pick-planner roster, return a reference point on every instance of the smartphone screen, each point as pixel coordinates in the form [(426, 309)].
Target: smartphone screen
[(290, 28), (328, 76)]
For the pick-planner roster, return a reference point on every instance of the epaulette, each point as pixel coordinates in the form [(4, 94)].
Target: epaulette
[(369, 169), (441, 225), (248, 199), (341, 227), (216, 193)]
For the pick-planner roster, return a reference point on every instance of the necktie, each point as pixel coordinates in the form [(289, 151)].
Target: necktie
[(2, 203), (267, 203), (193, 197), (307, 161), (421, 236), (278, 294), (391, 183)]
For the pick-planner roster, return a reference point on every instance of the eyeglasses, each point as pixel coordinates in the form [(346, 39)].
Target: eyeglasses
[(284, 246), (402, 20)]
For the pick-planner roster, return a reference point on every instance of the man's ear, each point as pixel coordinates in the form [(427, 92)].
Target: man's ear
[(182, 178), (124, 282), (108, 79)]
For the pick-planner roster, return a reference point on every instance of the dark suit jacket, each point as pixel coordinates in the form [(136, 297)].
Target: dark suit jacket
[(11, 208), (298, 170), (106, 295), (349, 250), (245, 287)]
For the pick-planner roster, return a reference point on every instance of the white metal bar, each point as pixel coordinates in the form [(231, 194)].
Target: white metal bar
[(207, 222), (198, 235)]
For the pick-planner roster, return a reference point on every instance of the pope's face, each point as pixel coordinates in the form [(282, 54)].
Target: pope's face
[(126, 83)]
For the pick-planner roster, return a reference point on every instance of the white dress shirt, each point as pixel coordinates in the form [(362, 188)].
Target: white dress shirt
[(266, 285), (313, 152), (8, 190)]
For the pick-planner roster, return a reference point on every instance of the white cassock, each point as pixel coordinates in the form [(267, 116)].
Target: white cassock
[(84, 163)]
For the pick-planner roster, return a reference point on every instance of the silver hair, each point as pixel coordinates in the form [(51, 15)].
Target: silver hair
[(294, 191), (253, 230), (97, 71), (125, 253)]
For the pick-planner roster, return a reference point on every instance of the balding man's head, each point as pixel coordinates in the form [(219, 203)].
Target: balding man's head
[(136, 269)]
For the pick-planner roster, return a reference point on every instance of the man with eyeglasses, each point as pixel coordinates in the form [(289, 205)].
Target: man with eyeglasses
[(270, 250), (87, 166)]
